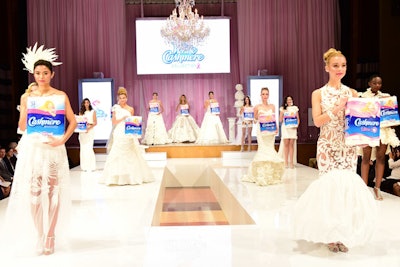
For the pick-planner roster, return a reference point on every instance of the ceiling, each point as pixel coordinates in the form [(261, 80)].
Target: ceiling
[(148, 2)]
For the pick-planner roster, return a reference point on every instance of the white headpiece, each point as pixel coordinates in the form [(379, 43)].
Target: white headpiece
[(34, 54)]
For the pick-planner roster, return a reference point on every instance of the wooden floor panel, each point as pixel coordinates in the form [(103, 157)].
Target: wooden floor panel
[(191, 206), (188, 194)]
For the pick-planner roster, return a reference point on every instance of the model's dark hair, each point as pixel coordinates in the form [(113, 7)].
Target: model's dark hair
[(373, 76), (244, 100), (285, 105), (43, 62), (395, 154), (83, 109)]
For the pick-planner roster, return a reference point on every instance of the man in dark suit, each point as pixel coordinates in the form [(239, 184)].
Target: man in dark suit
[(4, 173), (10, 160)]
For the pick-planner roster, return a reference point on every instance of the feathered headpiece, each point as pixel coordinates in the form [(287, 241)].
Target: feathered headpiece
[(34, 54)]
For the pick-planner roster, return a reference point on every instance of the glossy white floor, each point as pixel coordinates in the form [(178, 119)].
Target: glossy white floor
[(112, 226)]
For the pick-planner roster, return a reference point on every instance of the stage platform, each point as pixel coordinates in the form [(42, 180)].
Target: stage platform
[(189, 150)]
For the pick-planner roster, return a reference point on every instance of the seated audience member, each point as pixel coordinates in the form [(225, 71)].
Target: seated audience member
[(14, 145), (10, 160), (7, 176), (392, 183), (4, 189)]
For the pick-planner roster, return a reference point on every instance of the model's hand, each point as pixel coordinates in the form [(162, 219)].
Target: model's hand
[(52, 141), (341, 103)]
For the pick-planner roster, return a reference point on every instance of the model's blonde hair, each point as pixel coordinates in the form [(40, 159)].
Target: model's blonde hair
[(332, 52), (122, 91), (29, 89)]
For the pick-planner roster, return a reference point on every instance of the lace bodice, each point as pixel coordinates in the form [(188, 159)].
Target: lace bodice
[(332, 153)]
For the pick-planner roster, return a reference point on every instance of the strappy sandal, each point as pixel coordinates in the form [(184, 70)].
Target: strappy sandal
[(333, 247), (342, 247), (378, 193), (49, 246)]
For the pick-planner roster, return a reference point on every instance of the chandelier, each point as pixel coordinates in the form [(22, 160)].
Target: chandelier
[(184, 28)]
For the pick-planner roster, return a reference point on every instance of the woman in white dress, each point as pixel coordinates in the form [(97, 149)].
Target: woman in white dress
[(40, 199), (290, 121), (247, 113), (86, 139), (337, 209), (156, 133), (211, 130), (125, 164), (266, 167), (184, 129)]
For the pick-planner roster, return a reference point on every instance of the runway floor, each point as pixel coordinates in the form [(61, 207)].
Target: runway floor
[(112, 226)]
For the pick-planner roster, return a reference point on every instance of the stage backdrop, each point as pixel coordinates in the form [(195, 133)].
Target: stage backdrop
[(285, 37)]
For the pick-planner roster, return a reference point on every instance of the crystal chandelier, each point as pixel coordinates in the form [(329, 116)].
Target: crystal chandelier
[(184, 28)]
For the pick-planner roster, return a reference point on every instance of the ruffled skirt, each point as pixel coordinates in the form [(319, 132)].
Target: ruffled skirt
[(184, 129), (267, 166)]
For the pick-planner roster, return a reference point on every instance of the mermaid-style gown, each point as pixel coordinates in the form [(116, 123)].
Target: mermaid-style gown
[(267, 166), (338, 206), (87, 156)]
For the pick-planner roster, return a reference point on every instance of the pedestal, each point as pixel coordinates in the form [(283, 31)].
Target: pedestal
[(232, 121)]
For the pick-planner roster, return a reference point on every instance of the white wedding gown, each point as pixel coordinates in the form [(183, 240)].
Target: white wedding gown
[(156, 133), (184, 129), (267, 166), (125, 163), (211, 130), (86, 140), (40, 196), (338, 206)]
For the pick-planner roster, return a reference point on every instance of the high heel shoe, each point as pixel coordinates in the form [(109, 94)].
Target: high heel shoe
[(39, 245), (377, 193), (333, 247), (49, 246), (342, 247)]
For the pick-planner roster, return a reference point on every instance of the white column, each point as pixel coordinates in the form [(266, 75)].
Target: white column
[(232, 121)]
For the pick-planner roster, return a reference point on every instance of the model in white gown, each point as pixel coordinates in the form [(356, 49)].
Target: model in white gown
[(266, 167), (39, 204), (288, 114), (247, 121), (211, 130), (184, 128), (156, 133), (86, 139), (125, 164), (338, 208)]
